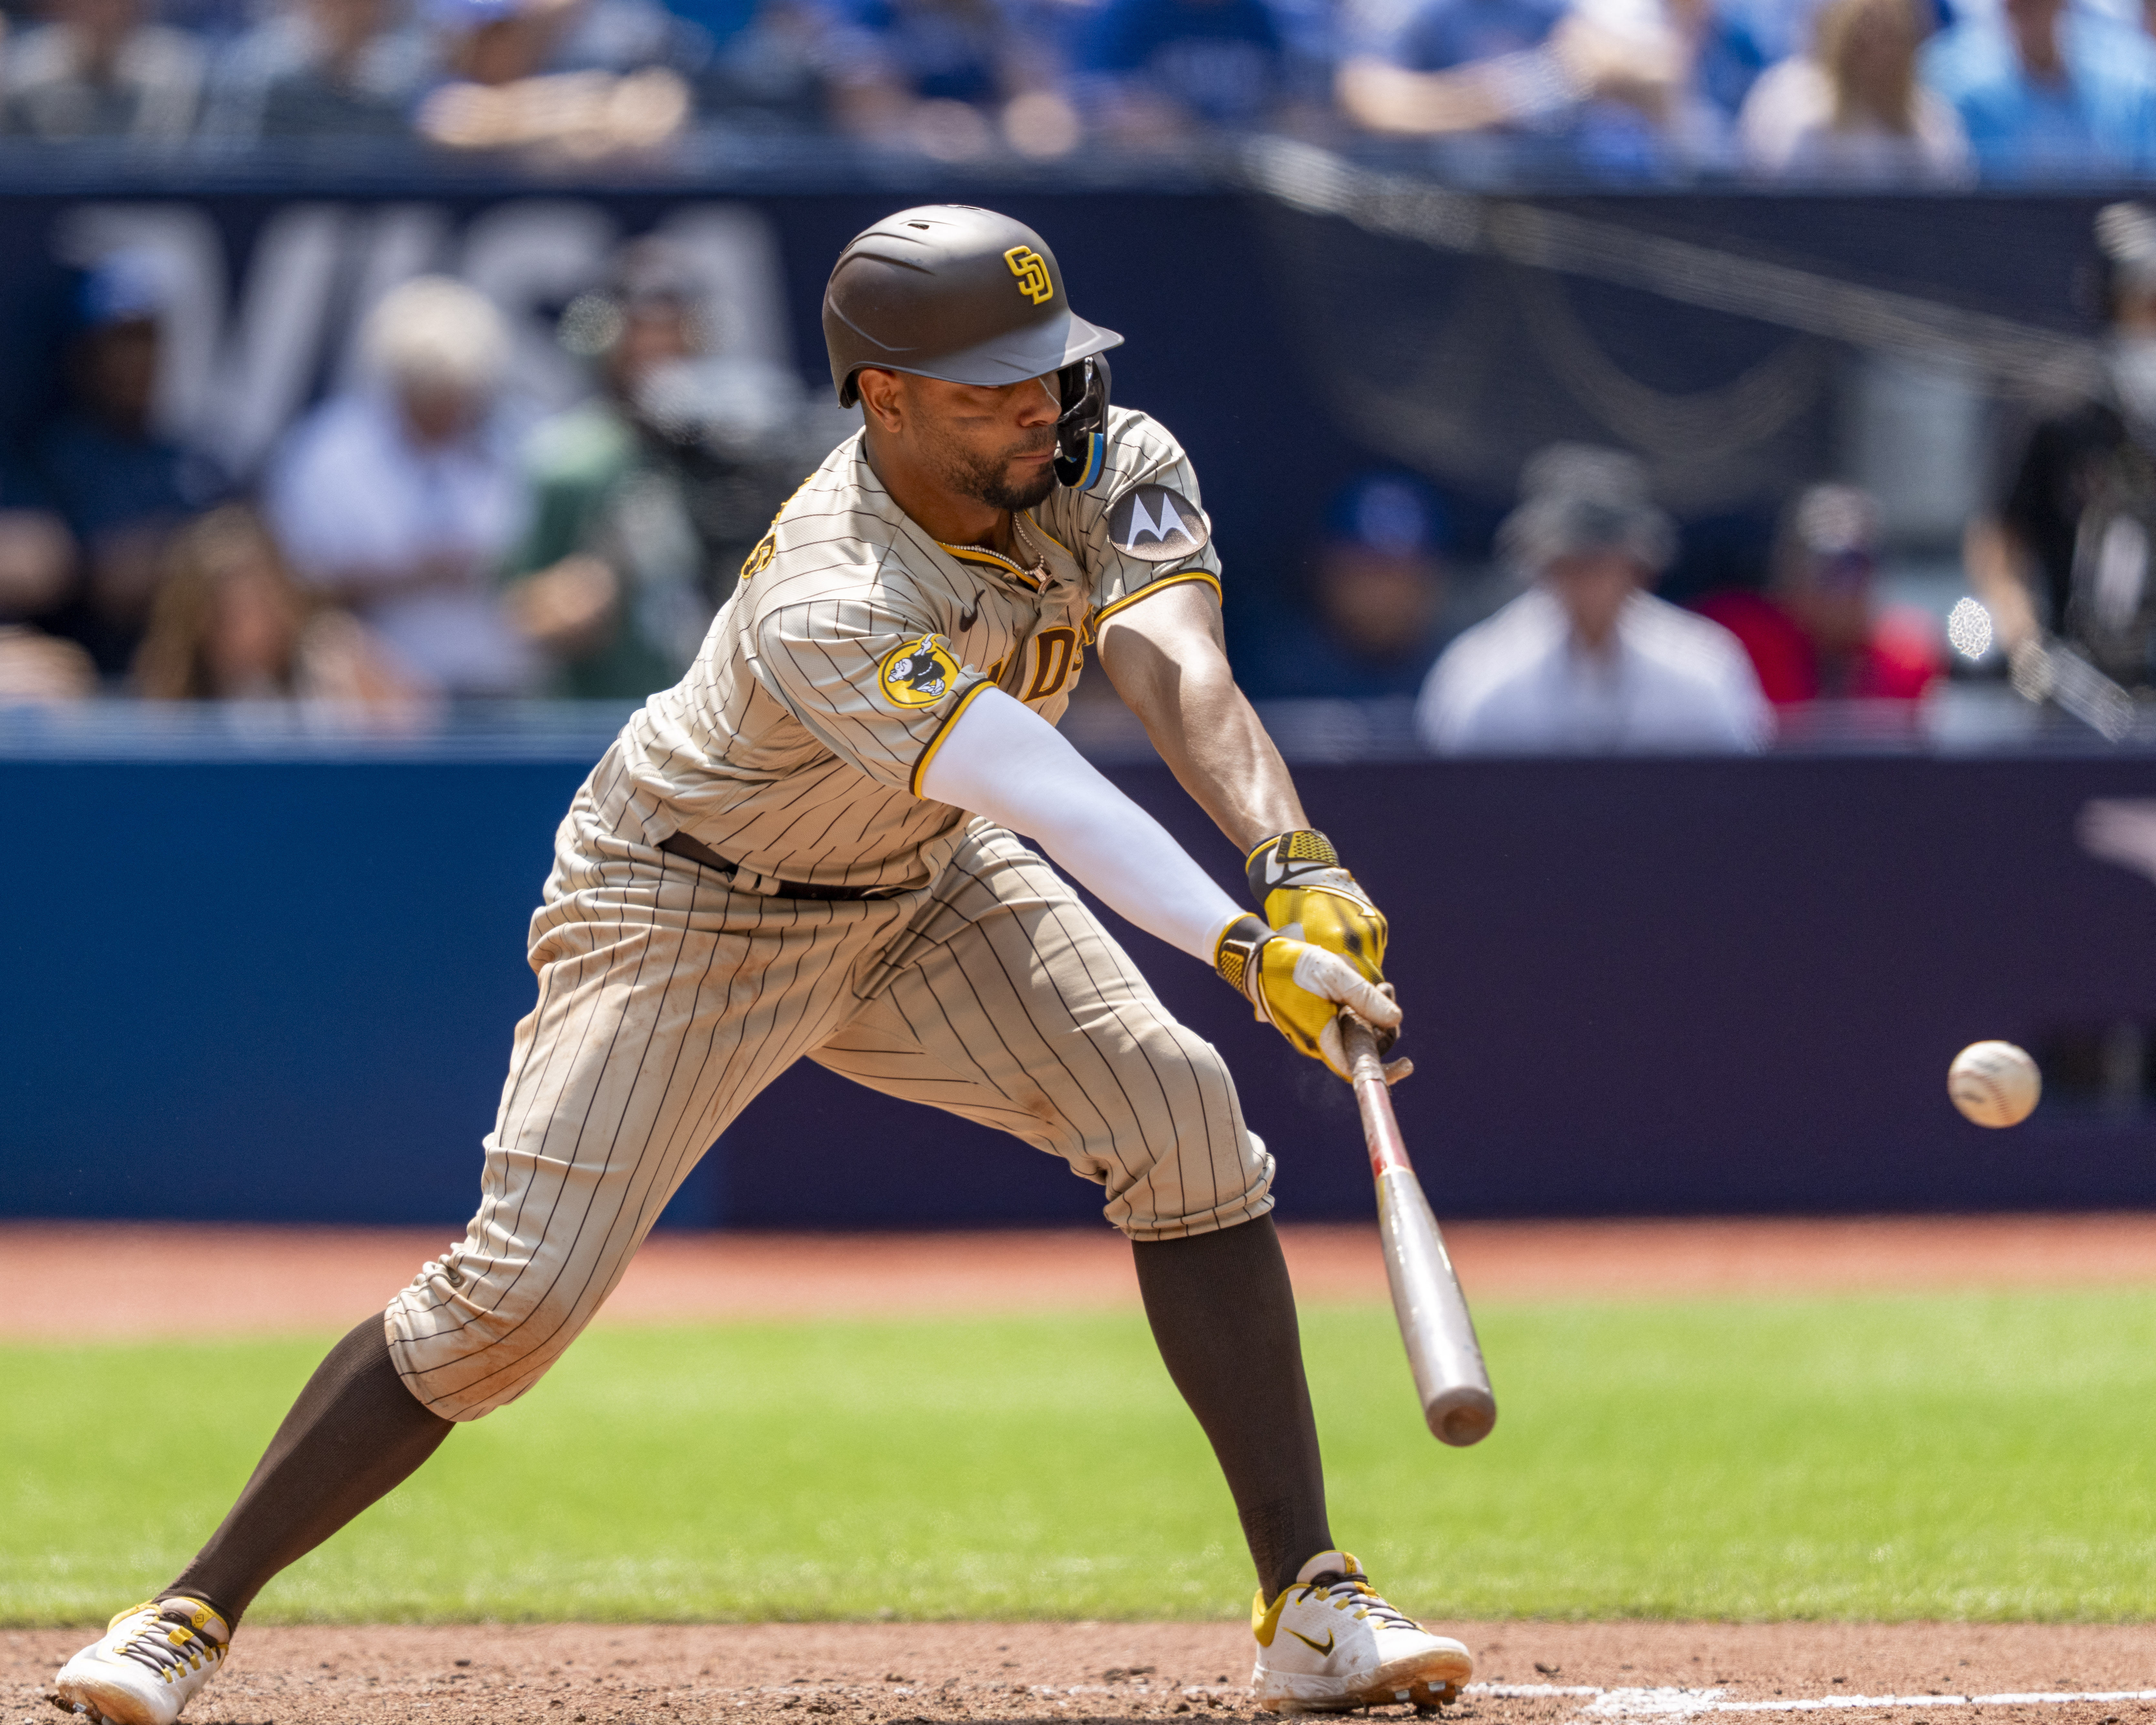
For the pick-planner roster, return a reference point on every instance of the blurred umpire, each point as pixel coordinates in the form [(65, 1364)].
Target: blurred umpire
[(2065, 546)]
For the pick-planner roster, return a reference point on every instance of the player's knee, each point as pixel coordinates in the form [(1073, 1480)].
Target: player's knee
[(467, 1341)]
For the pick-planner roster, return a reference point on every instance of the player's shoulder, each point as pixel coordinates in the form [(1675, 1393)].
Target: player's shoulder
[(1136, 471), (839, 535)]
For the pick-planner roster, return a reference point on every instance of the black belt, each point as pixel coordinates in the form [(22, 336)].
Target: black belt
[(696, 851)]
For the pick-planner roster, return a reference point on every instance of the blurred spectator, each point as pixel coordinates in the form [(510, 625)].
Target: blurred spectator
[(1852, 110), (399, 499), (2043, 92), (770, 73), (1160, 69), (1370, 624), (581, 79), (1819, 633), (120, 486), (36, 669), (2067, 545), (1586, 661), (1626, 86), (321, 69), (98, 69), (37, 564), (643, 508), (947, 77), (229, 624)]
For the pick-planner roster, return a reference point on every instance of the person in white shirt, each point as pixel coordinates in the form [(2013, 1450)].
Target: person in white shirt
[(399, 499), (1586, 661)]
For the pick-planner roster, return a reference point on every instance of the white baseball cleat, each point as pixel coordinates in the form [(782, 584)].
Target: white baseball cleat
[(146, 1667), (1330, 1643)]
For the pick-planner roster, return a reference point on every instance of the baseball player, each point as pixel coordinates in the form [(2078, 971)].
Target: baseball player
[(808, 847)]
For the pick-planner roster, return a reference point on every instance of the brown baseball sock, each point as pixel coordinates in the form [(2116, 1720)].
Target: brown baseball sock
[(355, 1433), (1224, 1316)]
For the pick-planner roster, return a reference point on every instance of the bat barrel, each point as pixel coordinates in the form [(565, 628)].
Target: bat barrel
[(1451, 1381), (1443, 1351)]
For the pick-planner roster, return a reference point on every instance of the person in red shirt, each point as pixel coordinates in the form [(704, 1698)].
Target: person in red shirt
[(1816, 633)]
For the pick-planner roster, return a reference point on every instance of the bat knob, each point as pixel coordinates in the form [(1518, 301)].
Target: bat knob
[(1462, 1416)]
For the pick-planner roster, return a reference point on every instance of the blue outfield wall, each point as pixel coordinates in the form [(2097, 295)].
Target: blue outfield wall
[(284, 991)]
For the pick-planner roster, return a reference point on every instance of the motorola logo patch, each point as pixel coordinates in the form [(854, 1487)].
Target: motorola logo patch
[(1156, 526)]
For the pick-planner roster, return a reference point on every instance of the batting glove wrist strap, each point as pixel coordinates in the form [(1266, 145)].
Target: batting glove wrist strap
[(1288, 859), (1234, 954)]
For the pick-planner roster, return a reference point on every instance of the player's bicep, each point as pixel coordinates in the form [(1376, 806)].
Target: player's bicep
[(1163, 636)]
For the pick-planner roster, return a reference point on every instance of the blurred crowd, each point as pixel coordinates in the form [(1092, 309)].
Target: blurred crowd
[(424, 534), (420, 536), (1865, 92)]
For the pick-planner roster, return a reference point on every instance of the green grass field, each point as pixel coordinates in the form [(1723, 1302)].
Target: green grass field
[(1969, 1457)]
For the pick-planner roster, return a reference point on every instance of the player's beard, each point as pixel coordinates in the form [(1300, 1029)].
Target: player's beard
[(987, 478)]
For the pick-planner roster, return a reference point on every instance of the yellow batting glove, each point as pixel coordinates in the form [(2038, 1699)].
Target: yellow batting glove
[(1299, 989), (1297, 881)]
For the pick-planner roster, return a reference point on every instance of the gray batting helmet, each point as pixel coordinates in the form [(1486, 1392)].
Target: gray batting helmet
[(954, 292)]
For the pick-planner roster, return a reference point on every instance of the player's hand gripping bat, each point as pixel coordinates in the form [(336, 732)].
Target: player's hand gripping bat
[(1434, 1325)]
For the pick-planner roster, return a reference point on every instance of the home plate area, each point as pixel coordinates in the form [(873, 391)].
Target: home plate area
[(890, 1673)]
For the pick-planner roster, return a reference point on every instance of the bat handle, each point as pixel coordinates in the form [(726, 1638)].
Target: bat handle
[(1366, 1071)]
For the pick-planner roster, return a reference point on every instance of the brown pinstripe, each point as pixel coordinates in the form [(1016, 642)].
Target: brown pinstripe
[(669, 995), (667, 1000)]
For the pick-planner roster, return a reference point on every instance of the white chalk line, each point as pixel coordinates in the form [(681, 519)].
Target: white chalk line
[(1673, 1705)]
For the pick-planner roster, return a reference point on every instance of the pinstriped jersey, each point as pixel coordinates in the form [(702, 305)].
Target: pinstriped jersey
[(794, 747)]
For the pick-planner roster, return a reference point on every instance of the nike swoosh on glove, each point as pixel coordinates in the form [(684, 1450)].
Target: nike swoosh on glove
[(1299, 989), (1298, 882)]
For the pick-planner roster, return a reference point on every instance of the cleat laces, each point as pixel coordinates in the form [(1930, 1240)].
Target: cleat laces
[(1341, 1590), (169, 1648)]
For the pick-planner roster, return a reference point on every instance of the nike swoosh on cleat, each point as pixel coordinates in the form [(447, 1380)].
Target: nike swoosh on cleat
[(1313, 1646)]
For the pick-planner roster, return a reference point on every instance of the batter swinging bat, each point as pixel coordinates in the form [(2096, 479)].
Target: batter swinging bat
[(1434, 1325)]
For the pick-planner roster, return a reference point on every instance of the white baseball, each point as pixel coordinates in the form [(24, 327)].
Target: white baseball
[(1995, 1083)]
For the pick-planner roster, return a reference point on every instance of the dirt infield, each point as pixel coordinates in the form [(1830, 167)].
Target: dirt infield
[(81, 1280), (892, 1674)]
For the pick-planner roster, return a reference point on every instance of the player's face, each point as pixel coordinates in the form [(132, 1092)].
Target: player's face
[(996, 446)]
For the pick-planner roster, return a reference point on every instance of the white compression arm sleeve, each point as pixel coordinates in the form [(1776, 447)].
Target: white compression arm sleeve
[(1003, 760)]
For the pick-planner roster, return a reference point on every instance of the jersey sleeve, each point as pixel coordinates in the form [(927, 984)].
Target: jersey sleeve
[(1142, 525), (878, 688)]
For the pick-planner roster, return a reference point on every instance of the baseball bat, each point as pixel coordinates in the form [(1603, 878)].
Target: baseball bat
[(1435, 1328)]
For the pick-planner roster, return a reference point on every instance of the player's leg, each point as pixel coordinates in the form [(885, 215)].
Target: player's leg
[(666, 1001), (354, 1434), (1008, 1004)]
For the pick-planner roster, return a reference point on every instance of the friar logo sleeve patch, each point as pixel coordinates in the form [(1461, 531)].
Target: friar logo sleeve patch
[(917, 673), (1156, 526)]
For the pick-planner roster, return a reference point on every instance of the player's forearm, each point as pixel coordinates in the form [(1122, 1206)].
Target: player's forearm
[(1221, 754), (1166, 659), (1004, 760)]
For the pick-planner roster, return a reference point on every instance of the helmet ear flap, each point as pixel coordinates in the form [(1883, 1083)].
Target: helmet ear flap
[(1080, 446)]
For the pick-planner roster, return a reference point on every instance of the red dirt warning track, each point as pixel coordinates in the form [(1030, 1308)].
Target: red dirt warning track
[(82, 1280)]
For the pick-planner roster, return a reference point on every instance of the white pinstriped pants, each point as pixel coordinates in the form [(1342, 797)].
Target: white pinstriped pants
[(667, 1000)]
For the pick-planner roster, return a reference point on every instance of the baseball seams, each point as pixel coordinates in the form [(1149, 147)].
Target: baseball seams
[(669, 993)]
